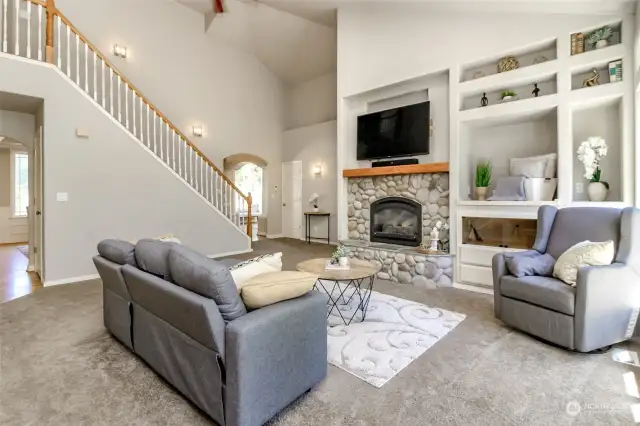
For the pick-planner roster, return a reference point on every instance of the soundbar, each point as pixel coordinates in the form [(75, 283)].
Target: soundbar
[(402, 162)]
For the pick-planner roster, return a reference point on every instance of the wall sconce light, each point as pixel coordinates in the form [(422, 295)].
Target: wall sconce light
[(317, 169), (197, 131), (120, 51)]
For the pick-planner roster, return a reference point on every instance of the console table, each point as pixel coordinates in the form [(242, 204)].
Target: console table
[(307, 228)]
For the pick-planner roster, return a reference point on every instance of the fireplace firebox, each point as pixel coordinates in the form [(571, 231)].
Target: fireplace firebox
[(396, 220)]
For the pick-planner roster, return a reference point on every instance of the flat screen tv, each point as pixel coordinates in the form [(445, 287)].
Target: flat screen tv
[(397, 132)]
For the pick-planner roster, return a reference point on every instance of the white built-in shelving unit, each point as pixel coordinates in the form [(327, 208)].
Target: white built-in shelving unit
[(564, 114)]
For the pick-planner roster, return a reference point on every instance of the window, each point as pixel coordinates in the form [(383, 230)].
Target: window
[(249, 180), (19, 183)]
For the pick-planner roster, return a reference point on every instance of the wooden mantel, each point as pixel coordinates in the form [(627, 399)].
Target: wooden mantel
[(410, 169)]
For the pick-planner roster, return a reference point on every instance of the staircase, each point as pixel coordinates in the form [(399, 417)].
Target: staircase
[(37, 30)]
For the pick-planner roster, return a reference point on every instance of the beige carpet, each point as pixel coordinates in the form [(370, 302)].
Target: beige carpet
[(58, 366)]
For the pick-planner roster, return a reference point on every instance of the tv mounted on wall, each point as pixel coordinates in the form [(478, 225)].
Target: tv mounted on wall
[(395, 132)]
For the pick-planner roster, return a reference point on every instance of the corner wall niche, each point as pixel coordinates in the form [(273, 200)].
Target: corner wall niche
[(578, 77), (604, 120), (499, 143), (523, 91), (615, 39), (526, 57)]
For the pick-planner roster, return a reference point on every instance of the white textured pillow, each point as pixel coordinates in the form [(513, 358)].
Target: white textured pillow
[(531, 164), (243, 272), (580, 255)]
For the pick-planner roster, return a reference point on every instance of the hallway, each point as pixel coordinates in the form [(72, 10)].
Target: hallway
[(15, 281)]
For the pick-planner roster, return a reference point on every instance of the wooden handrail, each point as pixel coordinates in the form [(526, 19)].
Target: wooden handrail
[(40, 2), (138, 92)]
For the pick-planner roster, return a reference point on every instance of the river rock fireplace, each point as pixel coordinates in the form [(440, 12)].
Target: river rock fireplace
[(396, 220)]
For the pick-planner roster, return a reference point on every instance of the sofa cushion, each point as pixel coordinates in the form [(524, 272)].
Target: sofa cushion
[(118, 251), (273, 287), (153, 257), (547, 292), (244, 271), (206, 277)]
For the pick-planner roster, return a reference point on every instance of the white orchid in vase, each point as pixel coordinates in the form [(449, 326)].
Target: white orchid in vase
[(590, 153), (313, 200)]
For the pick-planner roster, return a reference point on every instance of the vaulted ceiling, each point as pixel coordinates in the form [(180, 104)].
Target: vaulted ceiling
[(295, 49)]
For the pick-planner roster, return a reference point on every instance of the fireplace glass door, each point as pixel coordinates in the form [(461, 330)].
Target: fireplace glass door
[(396, 220)]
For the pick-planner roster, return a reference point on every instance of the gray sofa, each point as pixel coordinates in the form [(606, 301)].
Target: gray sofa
[(602, 308), (181, 313)]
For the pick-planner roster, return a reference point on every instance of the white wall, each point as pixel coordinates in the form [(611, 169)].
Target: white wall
[(116, 188), (193, 77), (313, 145), (18, 126), (380, 45), (312, 102), (383, 50)]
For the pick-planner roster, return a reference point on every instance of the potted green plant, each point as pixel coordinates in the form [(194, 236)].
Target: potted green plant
[(483, 179), (341, 256), (600, 38), (508, 95)]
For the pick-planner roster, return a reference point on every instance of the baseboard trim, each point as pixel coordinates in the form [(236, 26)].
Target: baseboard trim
[(71, 280), (473, 288), (272, 236), (231, 253)]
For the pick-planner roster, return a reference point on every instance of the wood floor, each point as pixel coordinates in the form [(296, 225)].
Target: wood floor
[(15, 281)]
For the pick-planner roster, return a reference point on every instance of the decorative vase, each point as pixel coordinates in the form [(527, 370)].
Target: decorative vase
[(508, 98), (316, 209), (601, 43), (597, 191), (343, 261), (481, 193)]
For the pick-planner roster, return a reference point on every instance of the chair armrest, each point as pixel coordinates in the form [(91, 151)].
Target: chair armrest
[(499, 269), (607, 305), (274, 355)]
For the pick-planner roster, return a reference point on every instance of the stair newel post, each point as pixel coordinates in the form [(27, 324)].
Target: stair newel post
[(249, 219), (51, 13)]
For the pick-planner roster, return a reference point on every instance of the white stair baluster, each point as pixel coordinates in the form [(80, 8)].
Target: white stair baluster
[(95, 74), (17, 5), (69, 51), (29, 29), (86, 67), (40, 9), (5, 37), (57, 45), (155, 132), (126, 105), (134, 95), (111, 94), (180, 146), (140, 120), (148, 125), (78, 60), (118, 100), (104, 92)]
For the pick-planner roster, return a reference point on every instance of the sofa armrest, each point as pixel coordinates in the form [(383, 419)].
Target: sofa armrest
[(607, 305), (274, 355), (499, 269)]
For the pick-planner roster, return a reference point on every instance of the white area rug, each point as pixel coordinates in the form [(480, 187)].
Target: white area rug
[(395, 332)]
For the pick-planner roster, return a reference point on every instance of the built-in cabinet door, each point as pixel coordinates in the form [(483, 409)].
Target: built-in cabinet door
[(292, 200)]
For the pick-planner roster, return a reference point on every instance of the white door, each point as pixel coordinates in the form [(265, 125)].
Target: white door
[(38, 240), (292, 200)]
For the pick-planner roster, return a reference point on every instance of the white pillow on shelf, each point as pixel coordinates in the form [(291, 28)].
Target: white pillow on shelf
[(531, 165), (581, 255), (245, 271)]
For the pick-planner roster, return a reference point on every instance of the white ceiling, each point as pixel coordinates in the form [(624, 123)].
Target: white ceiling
[(295, 49), (19, 103)]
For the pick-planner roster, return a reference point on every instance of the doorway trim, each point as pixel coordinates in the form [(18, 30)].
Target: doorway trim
[(292, 221)]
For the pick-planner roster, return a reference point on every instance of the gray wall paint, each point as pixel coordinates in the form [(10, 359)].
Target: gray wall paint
[(5, 178), (312, 145), (116, 188), (603, 121), (18, 126), (312, 102), (194, 77)]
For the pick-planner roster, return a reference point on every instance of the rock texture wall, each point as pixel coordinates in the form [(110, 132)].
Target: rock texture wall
[(419, 270), (431, 190)]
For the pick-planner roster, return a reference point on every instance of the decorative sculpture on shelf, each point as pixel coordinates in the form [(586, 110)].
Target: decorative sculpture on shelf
[(508, 63), (484, 101), (535, 91), (434, 243), (592, 81)]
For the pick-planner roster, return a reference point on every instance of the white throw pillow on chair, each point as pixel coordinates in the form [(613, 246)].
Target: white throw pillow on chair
[(581, 255)]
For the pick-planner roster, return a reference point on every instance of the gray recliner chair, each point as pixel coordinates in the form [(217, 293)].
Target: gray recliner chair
[(181, 313), (602, 309)]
